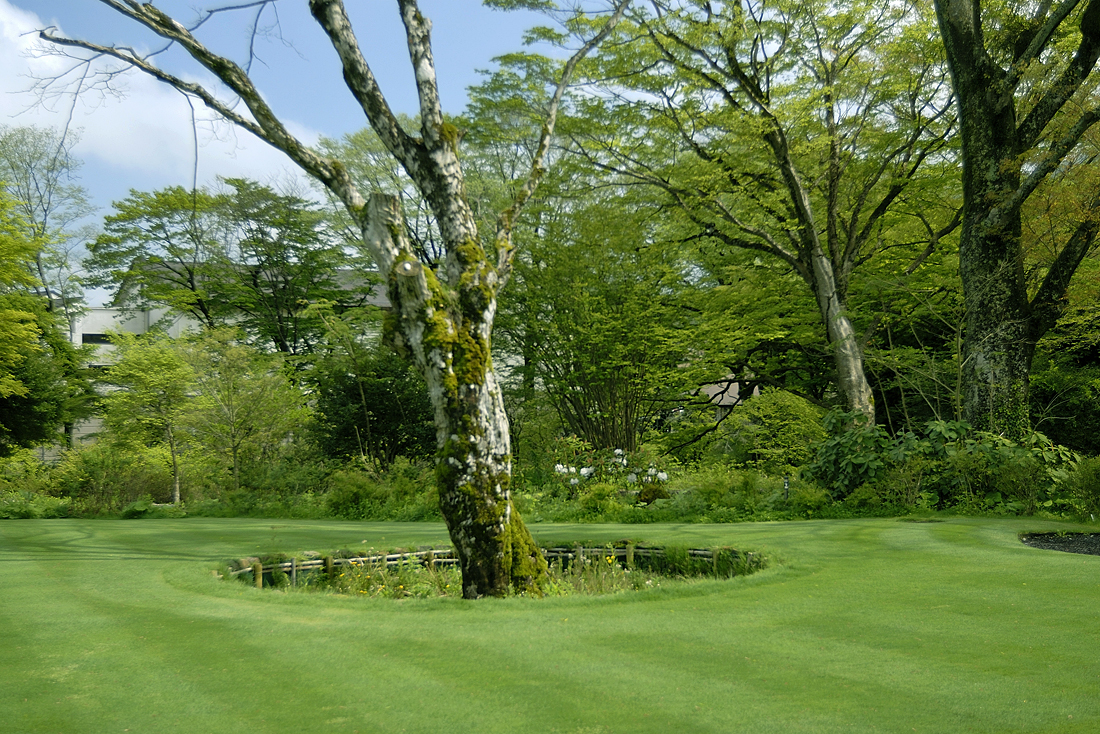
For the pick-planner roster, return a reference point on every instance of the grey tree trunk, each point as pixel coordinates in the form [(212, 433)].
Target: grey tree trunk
[(851, 378)]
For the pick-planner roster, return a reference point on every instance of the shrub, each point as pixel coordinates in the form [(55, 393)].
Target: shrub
[(404, 492), (778, 429), (104, 477), (950, 465), (854, 453), (25, 504), (1083, 488)]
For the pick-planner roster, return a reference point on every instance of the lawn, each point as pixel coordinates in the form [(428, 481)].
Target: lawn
[(862, 626)]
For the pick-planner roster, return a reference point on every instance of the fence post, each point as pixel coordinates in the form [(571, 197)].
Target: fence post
[(258, 575), (330, 570), (630, 555), (293, 572)]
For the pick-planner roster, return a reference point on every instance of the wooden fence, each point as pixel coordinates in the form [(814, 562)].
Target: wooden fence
[(442, 557)]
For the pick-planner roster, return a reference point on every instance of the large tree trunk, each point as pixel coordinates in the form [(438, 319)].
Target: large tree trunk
[(449, 340), (1004, 160), (996, 359)]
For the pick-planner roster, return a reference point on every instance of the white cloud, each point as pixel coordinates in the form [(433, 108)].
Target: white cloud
[(144, 135)]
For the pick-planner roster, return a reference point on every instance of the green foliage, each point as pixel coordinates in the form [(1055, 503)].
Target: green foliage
[(604, 336), (370, 403), (405, 492), (854, 453), (25, 489), (950, 465), (1065, 378), (47, 385), (1083, 488), (101, 479), (772, 432), (245, 409), (411, 579), (245, 256), (26, 505), (153, 388), (17, 324)]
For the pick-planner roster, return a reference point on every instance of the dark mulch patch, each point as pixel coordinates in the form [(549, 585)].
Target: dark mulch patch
[(1088, 543)]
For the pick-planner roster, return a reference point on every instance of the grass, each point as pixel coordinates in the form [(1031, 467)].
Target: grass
[(867, 626)]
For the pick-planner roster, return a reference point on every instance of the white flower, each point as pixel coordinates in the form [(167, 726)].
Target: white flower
[(618, 452), (561, 469), (588, 471), (572, 470), (574, 481), (651, 471), (631, 478), (662, 477)]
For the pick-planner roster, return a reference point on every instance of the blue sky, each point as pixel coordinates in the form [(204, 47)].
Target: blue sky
[(144, 140)]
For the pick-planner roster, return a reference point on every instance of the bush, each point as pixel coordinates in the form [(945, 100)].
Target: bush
[(104, 477), (854, 453), (951, 465), (17, 505), (405, 492), (777, 430), (1083, 488)]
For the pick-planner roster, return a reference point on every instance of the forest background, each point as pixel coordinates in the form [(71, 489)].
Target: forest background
[(764, 197)]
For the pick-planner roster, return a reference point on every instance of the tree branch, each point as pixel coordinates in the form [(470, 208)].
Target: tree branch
[(507, 218)]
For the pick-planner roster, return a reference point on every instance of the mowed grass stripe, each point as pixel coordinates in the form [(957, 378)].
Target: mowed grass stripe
[(129, 664), (872, 625)]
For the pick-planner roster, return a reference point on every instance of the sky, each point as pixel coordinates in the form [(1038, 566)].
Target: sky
[(143, 139)]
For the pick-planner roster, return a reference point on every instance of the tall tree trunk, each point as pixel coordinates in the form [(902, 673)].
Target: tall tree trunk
[(1002, 325), (173, 449), (851, 377), (996, 359), (449, 340)]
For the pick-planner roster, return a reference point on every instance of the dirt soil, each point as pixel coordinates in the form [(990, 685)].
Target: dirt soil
[(1088, 543)]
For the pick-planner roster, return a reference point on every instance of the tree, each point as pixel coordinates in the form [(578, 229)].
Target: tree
[(17, 325), (281, 257), (164, 248), (246, 255), (603, 337), (38, 169), (444, 317), (795, 130), (244, 407), (1023, 79), (153, 389), (41, 385)]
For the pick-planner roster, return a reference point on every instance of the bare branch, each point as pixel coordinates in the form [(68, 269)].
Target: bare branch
[(361, 81), (418, 29)]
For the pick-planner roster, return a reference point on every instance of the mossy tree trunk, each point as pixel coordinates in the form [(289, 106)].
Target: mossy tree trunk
[(1008, 151), (446, 329)]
